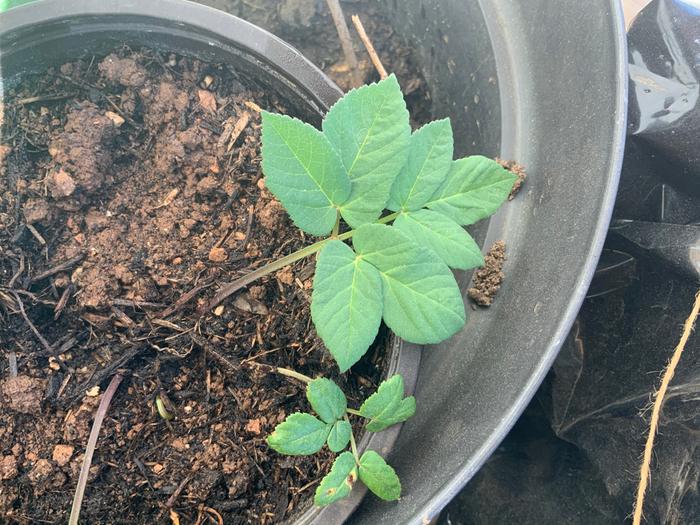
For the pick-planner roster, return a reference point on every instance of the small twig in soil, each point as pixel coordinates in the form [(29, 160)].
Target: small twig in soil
[(211, 512), (90, 449), (12, 358), (183, 300), (43, 98), (136, 304), (645, 471), (176, 494), (98, 376), (62, 302), (19, 271), (370, 48), (36, 234), (249, 226), (66, 265), (345, 41), (36, 332)]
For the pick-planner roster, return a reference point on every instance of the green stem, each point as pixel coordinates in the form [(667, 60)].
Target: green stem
[(389, 218), (336, 226), (353, 445), (353, 412), (291, 373), (236, 285)]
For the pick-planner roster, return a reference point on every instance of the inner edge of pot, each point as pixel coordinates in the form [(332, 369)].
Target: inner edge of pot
[(55, 20)]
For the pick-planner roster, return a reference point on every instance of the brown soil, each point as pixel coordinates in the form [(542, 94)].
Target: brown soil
[(488, 278), (305, 23), (516, 169), (127, 182)]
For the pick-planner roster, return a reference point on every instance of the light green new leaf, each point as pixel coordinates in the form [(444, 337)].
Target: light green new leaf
[(429, 161), (339, 437), (387, 406), (379, 477), (346, 303), (303, 171), (338, 482), (369, 129), (474, 189), (422, 302), (442, 235), (327, 399), (299, 435)]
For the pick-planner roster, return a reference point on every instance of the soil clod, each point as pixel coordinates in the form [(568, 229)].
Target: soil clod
[(487, 280)]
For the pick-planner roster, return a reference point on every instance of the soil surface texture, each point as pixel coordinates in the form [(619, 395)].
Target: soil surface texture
[(130, 190)]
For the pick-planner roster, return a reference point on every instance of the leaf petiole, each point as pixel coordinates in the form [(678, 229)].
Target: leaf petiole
[(292, 373), (253, 276), (353, 445)]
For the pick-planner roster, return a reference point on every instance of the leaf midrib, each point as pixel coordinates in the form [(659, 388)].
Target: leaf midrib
[(367, 136), (303, 165)]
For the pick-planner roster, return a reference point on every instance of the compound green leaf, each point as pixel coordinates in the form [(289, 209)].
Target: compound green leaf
[(429, 161), (387, 406), (303, 171), (346, 303), (379, 477), (327, 399), (442, 235), (299, 435), (474, 189), (369, 129), (338, 482), (422, 302), (339, 437)]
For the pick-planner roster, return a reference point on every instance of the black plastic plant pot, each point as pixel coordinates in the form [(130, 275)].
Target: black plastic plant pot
[(48, 33), (541, 84)]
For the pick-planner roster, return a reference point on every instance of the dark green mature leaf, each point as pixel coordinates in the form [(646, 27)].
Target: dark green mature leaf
[(369, 129), (303, 171), (299, 435), (422, 302), (327, 399), (338, 482), (379, 477), (443, 235), (346, 304), (387, 406), (429, 161), (339, 437), (474, 189)]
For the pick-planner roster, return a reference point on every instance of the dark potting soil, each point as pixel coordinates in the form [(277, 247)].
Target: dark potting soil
[(128, 181), (307, 23), (488, 279)]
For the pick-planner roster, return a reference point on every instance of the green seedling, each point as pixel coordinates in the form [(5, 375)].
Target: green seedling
[(402, 201), (302, 434), (337, 182)]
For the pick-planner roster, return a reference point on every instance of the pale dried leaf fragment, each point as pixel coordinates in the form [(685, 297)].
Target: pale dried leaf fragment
[(207, 100), (116, 118), (238, 128), (246, 303)]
